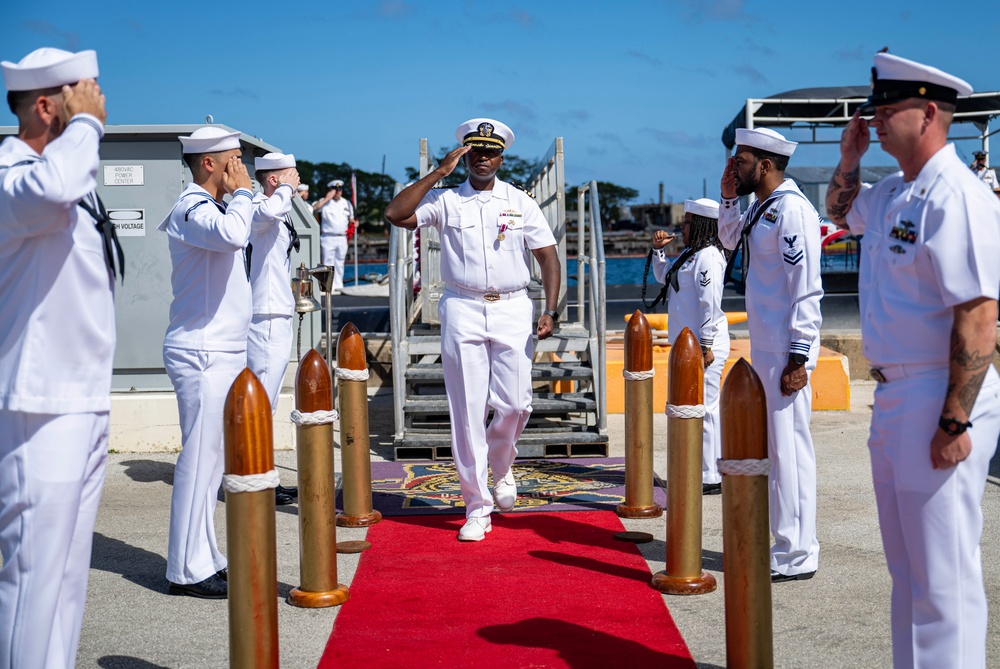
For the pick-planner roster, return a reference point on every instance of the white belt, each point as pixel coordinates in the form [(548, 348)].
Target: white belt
[(889, 373), (487, 295)]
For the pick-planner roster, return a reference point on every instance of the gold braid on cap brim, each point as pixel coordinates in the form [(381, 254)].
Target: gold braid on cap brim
[(477, 140)]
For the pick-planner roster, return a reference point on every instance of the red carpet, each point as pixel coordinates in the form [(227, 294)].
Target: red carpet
[(542, 590)]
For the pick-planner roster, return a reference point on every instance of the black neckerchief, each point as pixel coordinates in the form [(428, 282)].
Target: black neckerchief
[(112, 247), (669, 280), (293, 242), (744, 246)]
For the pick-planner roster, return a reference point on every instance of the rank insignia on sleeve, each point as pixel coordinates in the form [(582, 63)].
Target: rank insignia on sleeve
[(705, 278), (896, 248), (771, 215), (792, 255)]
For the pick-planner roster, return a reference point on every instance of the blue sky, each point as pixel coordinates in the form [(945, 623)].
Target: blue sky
[(639, 90)]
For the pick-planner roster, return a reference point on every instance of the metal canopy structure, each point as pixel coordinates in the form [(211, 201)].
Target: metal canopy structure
[(833, 107)]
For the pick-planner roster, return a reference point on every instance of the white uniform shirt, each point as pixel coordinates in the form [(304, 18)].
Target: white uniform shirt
[(212, 304), (697, 303), (335, 216), (271, 264), (470, 221), (928, 245), (57, 312), (988, 176), (783, 282)]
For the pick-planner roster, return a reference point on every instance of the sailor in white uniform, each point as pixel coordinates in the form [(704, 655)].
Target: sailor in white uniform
[(928, 286), (779, 239), (487, 228), (205, 346), (693, 286), (983, 172), (273, 238), (57, 340), (336, 215)]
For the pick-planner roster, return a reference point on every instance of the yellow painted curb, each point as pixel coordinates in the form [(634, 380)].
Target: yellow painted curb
[(831, 383)]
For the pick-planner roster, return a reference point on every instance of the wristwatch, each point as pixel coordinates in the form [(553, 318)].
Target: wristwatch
[(554, 315), (798, 358), (952, 426)]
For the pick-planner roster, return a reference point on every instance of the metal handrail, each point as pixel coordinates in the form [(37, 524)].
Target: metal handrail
[(597, 307)]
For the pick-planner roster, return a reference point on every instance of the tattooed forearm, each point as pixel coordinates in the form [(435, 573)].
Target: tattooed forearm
[(843, 188), (972, 361), (968, 393)]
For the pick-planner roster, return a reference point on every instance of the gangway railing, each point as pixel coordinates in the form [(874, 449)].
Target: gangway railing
[(588, 229)]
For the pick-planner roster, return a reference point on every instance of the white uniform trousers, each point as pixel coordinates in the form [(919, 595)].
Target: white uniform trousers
[(710, 431), (792, 481), (334, 250), (269, 347), (932, 522), (51, 475), (486, 355), (202, 380)]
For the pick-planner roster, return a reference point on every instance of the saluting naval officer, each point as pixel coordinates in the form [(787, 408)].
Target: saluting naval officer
[(336, 216), (928, 287), (487, 228), (779, 239), (273, 238), (57, 340), (205, 346), (693, 286), (984, 173)]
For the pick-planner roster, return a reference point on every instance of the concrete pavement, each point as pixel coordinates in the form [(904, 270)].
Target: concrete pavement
[(838, 619)]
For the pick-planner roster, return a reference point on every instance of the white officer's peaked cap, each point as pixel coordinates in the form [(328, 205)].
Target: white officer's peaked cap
[(336, 183), (702, 207), (485, 133), (210, 140), (895, 79), (274, 161), (48, 68), (765, 139)]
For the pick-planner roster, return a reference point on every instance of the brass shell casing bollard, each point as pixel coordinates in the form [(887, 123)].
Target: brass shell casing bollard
[(317, 492), (746, 537), (250, 528), (638, 423), (355, 456), (683, 574)]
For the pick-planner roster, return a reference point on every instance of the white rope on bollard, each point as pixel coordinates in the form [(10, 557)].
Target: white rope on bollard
[(352, 374), (748, 467), (251, 482), (314, 418), (638, 376), (685, 411)]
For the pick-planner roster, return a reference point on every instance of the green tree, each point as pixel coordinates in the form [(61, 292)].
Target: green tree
[(611, 196), (374, 190)]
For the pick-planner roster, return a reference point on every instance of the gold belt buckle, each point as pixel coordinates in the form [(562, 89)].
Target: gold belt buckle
[(877, 374), (491, 297)]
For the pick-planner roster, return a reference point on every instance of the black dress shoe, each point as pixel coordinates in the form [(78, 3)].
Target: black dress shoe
[(281, 499), (223, 574), (291, 491), (782, 578), (212, 587), (711, 488)]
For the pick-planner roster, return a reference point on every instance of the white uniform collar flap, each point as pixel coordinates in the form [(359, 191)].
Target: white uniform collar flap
[(930, 171)]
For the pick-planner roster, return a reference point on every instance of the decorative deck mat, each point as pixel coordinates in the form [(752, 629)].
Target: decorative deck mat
[(577, 484), (548, 590)]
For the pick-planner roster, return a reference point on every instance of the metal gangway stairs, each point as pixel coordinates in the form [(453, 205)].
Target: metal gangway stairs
[(569, 417)]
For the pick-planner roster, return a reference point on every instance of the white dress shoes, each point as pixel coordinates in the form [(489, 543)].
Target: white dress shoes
[(475, 529), (505, 491)]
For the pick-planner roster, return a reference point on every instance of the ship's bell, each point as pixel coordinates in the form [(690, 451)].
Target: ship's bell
[(302, 287)]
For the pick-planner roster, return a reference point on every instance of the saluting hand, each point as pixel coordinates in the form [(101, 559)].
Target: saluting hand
[(83, 98), (661, 238), (855, 140), (451, 161), (236, 176), (290, 176), (728, 185)]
